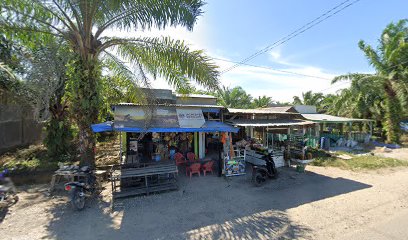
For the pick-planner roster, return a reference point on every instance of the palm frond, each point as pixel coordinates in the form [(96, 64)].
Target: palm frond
[(373, 57), (145, 14), (171, 59)]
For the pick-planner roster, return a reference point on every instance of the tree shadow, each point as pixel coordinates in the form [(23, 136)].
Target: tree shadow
[(271, 224), (204, 208)]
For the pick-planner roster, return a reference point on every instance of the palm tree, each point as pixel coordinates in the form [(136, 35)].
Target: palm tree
[(390, 61), (309, 98), (262, 102), (363, 99), (234, 98), (83, 25)]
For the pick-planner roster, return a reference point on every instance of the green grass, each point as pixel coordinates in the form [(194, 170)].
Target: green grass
[(28, 160), (366, 162)]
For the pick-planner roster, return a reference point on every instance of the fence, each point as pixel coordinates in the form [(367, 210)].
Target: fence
[(18, 127)]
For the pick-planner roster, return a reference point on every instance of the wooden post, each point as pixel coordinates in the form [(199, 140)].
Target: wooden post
[(196, 144), (201, 143), (120, 147)]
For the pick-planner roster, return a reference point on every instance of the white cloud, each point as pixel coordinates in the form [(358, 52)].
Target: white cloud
[(281, 86), (256, 81)]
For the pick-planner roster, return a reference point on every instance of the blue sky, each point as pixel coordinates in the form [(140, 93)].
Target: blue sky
[(235, 29)]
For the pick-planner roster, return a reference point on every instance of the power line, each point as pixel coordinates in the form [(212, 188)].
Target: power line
[(347, 81), (333, 11), (271, 68)]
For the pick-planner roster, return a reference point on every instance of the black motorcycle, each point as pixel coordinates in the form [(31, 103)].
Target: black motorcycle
[(8, 195), (261, 172), (85, 187)]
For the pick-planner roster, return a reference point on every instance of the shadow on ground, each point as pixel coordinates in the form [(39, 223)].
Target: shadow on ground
[(204, 207)]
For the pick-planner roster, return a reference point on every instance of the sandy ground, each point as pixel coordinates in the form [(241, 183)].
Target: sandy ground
[(401, 153), (323, 203)]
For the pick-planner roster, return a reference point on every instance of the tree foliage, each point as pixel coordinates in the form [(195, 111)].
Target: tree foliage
[(309, 98), (83, 24), (262, 102), (234, 97), (382, 95)]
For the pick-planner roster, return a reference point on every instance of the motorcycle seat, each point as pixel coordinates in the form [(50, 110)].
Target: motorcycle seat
[(79, 184), (4, 188)]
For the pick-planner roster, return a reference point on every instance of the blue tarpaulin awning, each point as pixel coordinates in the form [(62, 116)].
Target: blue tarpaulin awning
[(209, 126), (102, 127)]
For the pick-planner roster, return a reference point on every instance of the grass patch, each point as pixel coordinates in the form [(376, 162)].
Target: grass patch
[(367, 162), (35, 157), (31, 159)]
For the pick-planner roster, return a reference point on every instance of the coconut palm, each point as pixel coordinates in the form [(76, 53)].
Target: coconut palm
[(84, 25)]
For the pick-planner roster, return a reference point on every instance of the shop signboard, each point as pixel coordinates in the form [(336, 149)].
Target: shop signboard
[(190, 118), (142, 117)]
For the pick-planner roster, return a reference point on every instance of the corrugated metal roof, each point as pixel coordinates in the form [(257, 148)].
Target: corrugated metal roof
[(194, 96), (306, 109), (317, 117), (277, 109), (269, 122), (169, 105), (256, 111)]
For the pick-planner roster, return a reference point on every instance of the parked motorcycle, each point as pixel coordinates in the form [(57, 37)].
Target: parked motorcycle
[(8, 195), (261, 172), (86, 187)]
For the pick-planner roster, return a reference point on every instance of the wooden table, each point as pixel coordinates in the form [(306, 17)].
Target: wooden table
[(71, 175), (121, 173)]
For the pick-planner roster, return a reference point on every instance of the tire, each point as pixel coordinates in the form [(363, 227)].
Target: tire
[(97, 188), (258, 179), (10, 199), (275, 174), (15, 198), (77, 201)]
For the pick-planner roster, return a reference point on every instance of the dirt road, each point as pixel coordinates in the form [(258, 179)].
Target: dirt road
[(400, 153), (324, 203)]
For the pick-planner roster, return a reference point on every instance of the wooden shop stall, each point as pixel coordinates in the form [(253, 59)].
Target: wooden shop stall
[(158, 141), (281, 131)]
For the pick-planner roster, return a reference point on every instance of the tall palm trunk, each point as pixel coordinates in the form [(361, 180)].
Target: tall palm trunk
[(59, 134), (84, 90), (393, 114)]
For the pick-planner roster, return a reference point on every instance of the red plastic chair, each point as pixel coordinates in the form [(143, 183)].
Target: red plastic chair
[(194, 168), (208, 167), (180, 159), (191, 157)]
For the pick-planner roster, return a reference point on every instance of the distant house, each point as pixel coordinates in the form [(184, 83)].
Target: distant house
[(334, 127)]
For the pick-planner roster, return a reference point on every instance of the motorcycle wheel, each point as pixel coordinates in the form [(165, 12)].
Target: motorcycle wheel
[(258, 179), (77, 201), (14, 198)]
